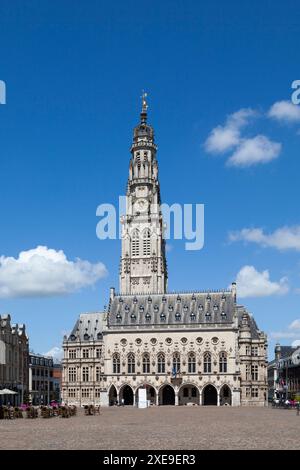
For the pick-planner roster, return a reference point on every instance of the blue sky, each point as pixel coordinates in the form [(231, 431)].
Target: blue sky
[(74, 72)]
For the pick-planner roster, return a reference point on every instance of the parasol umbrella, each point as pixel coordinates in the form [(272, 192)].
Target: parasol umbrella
[(6, 391)]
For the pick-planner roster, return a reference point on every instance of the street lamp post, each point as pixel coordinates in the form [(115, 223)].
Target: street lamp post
[(286, 380)]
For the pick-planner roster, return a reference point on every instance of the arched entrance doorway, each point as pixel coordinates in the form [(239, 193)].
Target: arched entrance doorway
[(167, 395), (126, 392), (112, 396), (225, 395), (151, 394), (188, 393), (209, 395)]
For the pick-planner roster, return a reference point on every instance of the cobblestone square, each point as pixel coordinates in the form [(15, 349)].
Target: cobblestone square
[(158, 428)]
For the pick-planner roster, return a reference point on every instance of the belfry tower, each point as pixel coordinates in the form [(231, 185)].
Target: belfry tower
[(143, 267)]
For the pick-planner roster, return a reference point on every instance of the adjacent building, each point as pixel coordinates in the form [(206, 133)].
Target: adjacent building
[(14, 354), (41, 389), (198, 347), (57, 379), (284, 373)]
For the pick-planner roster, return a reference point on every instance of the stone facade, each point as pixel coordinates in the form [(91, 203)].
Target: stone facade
[(198, 348), (14, 352)]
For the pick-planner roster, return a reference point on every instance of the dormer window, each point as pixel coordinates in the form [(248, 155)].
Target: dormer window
[(148, 316), (208, 298), (193, 316), (164, 299), (155, 308), (72, 337), (119, 318), (141, 308), (135, 300), (223, 297), (200, 308), (127, 308), (149, 300), (162, 316), (208, 315), (185, 308), (86, 337), (223, 315), (120, 300), (193, 298), (99, 336), (178, 300), (132, 316), (170, 308), (177, 316), (216, 308)]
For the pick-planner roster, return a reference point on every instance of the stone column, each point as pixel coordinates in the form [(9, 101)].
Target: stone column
[(218, 399), (157, 398), (176, 398), (200, 398)]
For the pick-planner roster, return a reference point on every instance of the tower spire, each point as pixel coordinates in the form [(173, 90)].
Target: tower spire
[(144, 107), (143, 267)]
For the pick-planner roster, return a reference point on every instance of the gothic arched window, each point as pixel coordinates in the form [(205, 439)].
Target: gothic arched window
[(131, 363), (135, 243), (147, 242), (116, 363), (192, 363), (161, 364), (176, 363), (223, 362), (207, 363), (146, 363)]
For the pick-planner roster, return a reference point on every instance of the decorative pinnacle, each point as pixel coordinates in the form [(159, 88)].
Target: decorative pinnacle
[(144, 107)]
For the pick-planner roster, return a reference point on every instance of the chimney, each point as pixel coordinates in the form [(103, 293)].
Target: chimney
[(233, 290), (112, 293), (277, 351)]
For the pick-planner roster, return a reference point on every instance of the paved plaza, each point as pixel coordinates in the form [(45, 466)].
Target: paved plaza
[(158, 428)]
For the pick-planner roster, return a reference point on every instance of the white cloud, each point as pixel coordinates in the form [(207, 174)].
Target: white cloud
[(247, 151), (45, 272), (259, 149), (291, 333), (252, 283), (285, 111), (56, 353), (283, 238), (283, 335), (224, 138), (295, 325)]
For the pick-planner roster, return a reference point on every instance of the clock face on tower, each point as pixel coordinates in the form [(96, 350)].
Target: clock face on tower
[(141, 205)]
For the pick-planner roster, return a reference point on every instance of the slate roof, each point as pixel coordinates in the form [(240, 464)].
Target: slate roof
[(89, 327), (241, 310), (171, 308), (161, 310), (286, 351)]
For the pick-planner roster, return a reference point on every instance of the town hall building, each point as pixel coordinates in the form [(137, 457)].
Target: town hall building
[(185, 348)]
